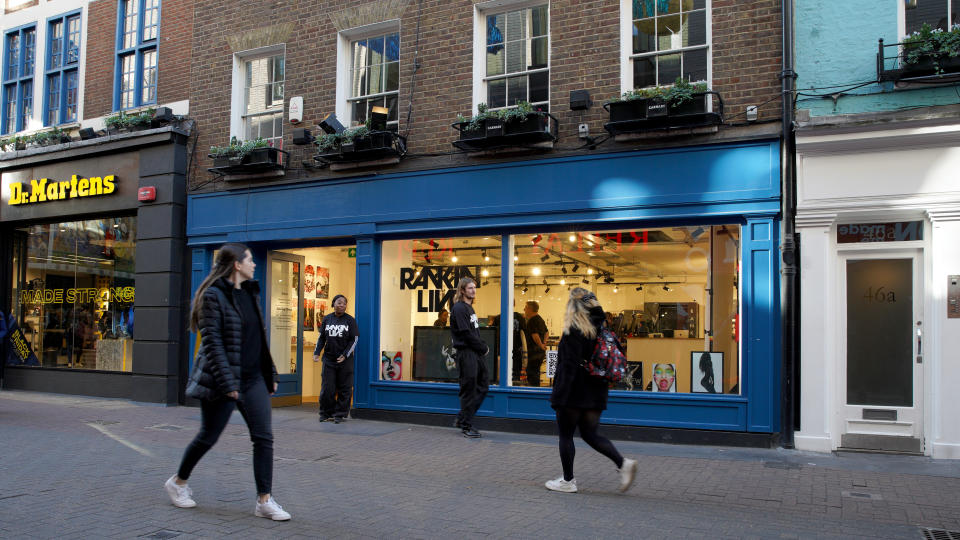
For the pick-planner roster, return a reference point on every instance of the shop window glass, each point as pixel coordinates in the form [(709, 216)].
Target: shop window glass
[(418, 280), (75, 293), (671, 295)]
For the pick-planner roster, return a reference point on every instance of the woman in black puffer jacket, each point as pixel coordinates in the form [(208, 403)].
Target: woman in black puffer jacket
[(233, 369), (578, 397)]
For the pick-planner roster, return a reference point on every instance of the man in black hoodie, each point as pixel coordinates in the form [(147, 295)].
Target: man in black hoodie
[(474, 380), (338, 340)]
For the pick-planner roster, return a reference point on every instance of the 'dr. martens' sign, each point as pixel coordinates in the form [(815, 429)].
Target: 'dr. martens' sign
[(45, 189)]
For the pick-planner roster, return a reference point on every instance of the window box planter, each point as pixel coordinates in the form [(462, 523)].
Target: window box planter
[(643, 114), (375, 146), (254, 161), (492, 133), (919, 58)]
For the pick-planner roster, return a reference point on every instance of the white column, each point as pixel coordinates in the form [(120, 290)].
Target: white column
[(817, 336), (943, 336)]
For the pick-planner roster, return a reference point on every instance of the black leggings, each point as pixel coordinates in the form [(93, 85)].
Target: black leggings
[(568, 420)]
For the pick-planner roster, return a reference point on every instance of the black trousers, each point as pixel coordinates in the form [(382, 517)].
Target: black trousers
[(533, 368), (336, 389), (474, 384), (254, 406)]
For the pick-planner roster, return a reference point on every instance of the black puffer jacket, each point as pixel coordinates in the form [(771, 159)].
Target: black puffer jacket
[(572, 385), (218, 366)]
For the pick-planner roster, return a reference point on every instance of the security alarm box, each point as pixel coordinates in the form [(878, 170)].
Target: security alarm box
[(296, 109), (147, 194)]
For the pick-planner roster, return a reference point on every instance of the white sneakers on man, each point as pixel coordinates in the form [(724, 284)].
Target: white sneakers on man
[(180, 496), (628, 471), (561, 485), (272, 510)]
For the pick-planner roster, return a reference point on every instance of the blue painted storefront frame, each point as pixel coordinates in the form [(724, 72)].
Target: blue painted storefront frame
[(718, 184)]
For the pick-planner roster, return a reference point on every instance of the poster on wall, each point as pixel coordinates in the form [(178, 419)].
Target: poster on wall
[(704, 367), (320, 310), (391, 365), (551, 363), (664, 378), (323, 282), (307, 314), (308, 280), (634, 377)]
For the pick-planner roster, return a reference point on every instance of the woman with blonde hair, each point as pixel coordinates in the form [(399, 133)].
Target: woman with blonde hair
[(578, 397)]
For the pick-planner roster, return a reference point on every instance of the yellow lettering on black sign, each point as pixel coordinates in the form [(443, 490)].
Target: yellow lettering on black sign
[(45, 190)]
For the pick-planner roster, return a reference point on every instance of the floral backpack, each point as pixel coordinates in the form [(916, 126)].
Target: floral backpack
[(607, 360)]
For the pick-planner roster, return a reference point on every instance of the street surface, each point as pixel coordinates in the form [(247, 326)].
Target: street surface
[(78, 467)]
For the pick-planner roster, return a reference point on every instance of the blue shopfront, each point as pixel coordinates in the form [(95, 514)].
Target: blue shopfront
[(680, 246)]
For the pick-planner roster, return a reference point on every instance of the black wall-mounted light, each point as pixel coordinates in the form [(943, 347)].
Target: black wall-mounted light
[(580, 100), (87, 134), (378, 118), (330, 124), (302, 136)]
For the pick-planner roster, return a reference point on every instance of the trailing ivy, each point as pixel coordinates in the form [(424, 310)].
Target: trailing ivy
[(514, 114)]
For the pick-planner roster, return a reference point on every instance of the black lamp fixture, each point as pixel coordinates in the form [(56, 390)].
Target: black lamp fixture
[(545, 291), (586, 281), (486, 257), (667, 288), (163, 115), (608, 279), (580, 100), (87, 134), (576, 266), (564, 269), (454, 257), (640, 288), (544, 281), (485, 283), (302, 136), (545, 257), (330, 124), (524, 281), (378, 118)]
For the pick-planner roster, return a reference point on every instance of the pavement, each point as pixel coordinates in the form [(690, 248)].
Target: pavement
[(81, 467)]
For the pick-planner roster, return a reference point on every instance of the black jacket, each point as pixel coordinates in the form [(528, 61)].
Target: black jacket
[(572, 385), (218, 368), (338, 336), (465, 329)]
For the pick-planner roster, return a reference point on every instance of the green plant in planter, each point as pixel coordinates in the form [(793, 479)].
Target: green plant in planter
[(931, 44), (122, 120), (680, 92), (331, 141), (237, 149), (513, 114)]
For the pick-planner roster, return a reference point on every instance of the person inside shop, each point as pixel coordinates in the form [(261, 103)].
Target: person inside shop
[(578, 397), (519, 326), (536, 333), (442, 318), (338, 341), (471, 350), (233, 370)]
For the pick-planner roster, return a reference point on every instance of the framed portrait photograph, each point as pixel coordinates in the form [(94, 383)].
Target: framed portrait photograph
[(706, 372), (664, 378)]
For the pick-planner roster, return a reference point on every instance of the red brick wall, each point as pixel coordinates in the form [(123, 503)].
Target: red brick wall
[(174, 54), (100, 55), (585, 54)]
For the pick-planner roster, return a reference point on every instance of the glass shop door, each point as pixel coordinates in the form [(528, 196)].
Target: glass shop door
[(284, 314)]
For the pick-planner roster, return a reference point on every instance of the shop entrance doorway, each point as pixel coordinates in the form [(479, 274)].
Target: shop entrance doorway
[(301, 285), (882, 361)]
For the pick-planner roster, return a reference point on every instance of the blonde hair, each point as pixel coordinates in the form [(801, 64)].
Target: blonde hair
[(458, 296), (578, 312)]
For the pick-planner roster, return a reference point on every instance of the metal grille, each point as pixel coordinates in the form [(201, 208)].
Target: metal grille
[(939, 534)]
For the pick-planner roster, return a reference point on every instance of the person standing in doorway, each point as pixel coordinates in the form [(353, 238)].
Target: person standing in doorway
[(338, 341), (580, 398), (471, 350), (536, 332), (233, 370), (442, 318)]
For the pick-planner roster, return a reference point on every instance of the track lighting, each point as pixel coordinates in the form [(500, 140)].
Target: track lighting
[(536, 270), (589, 270), (640, 288), (484, 272), (485, 283), (544, 281), (576, 266), (563, 269), (486, 258), (615, 289), (545, 257), (563, 281), (667, 288), (573, 238), (454, 258), (545, 291), (586, 281)]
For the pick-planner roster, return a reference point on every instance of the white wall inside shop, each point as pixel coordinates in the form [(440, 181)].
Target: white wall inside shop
[(343, 272)]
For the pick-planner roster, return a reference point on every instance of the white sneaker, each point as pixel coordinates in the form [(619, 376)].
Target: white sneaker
[(180, 496), (272, 510), (628, 471), (562, 485)]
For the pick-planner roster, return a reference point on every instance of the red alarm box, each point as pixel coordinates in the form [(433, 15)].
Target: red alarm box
[(147, 194)]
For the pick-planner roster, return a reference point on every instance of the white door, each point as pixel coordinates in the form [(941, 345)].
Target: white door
[(881, 339)]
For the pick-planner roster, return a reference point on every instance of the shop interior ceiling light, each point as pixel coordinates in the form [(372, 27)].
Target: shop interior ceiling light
[(485, 256), (586, 281), (640, 288), (564, 269), (667, 288), (573, 238), (545, 257), (576, 266), (545, 291)]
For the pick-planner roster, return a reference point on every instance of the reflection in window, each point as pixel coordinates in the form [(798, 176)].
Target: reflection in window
[(375, 78), (74, 296), (137, 53), (671, 296), (418, 280), (263, 99), (517, 65), (669, 41)]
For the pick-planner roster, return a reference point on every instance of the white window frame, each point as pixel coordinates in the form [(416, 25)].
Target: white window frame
[(343, 109), (626, 45), (480, 12), (902, 18), (238, 85)]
